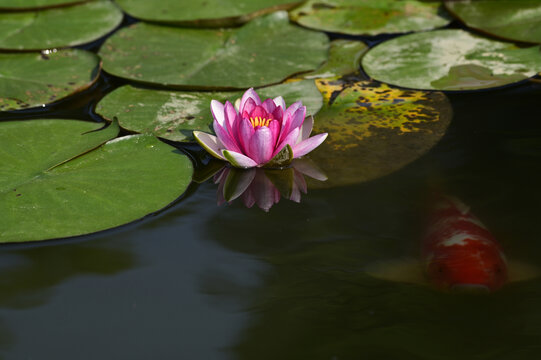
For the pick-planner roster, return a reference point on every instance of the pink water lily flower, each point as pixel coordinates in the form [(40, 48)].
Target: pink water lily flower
[(256, 132)]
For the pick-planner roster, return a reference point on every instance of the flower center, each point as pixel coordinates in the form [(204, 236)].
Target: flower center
[(259, 121)]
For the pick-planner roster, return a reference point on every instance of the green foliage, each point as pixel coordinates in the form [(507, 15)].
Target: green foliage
[(174, 115), (450, 60), (28, 80), (58, 27), (265, 51), (65, 184)]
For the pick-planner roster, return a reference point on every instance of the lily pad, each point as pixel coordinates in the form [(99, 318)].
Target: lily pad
[(264, 51), (57, 183), (35, 4), (174, 115), (344, 58), (370, 17), (450, 60), (374, 129), (518, 20), (202, 13), (58, 27), (28, 80)]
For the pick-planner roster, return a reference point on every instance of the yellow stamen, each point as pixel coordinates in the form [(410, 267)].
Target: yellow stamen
[(258, 121)]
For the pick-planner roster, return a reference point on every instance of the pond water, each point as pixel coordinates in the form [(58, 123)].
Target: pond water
[(202, 281)]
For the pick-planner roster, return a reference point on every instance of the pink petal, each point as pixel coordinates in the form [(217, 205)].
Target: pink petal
[(230, 119), (259, 112), (264, 191), (274, 127), (305, 146), (249, 94), (261, 145), (217, 109), (290, 139), (210, 143), (279, 101), (287, 119), (269, 106), (226, 139), (306, 128), (246, 131), (249, 107), (239, 160), (298, 117), (278, 113)]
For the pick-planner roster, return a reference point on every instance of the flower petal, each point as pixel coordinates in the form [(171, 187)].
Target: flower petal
[(306, 128), (305, 146), (298, 117), (210, 143), (248, 108), (226, 139), (261, 145), (239, 160), (269, 106), (249, 94), (230, 115), (279, 101), (217, 109), (246, 131), (290, 139)]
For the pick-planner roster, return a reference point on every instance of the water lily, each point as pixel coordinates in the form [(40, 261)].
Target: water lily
[(265, 187), (259, 133)]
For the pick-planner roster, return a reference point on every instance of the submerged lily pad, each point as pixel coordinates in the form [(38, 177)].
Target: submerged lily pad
[(35, 4), (374, 129), (264, 51), (28, 80), (370, 17), (58, 182), (518, 20), (174, 115), (450, 60), (58, 27), (203, 13)]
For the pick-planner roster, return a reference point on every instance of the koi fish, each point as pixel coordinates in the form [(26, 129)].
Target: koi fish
[(458, 253)]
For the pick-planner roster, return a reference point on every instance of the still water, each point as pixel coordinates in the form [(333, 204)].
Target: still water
[(201, 281)]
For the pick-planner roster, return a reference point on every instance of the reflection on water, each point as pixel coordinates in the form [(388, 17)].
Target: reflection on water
[(317, 301), (30, 276), (264, 187)]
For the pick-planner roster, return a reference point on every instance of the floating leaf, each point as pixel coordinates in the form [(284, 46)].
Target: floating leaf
[(344, 58), (450, 60), (28, 80), (264, 51), (59, 27), (202, 13), (518, 20), (54, 185), (35, 4), (174, 115), (369, 17), (374, 129)]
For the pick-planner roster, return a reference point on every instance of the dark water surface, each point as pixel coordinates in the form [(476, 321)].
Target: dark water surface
[(199, 281)]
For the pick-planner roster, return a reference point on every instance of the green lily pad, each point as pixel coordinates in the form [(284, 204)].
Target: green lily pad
[(344, 58), (58, 27), (35, 4), (370, 17), (54, 185), (374, 129), (28, 80), (450, 60), (518, 20), (264, 51), (202, 13), (174, 115)]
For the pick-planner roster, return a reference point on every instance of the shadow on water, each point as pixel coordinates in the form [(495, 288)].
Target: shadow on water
[(31, 276), (316, 300)]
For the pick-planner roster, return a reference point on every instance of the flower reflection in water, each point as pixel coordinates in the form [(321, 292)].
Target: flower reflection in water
[(265, 187)]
